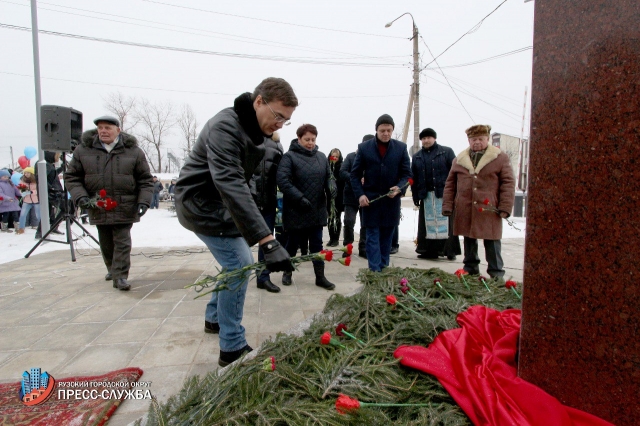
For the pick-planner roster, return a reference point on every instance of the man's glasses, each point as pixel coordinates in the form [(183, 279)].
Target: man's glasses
[(279, 119)]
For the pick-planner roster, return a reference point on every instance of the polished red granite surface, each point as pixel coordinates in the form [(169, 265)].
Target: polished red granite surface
[(580, 338)]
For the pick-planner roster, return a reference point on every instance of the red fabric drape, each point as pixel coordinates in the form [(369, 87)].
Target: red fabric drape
[(476, 364)]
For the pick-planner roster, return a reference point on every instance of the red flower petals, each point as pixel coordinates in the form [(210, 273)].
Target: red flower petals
[(340, 328), (510, 284), (103, 193), (486, 202), (346, 261), (325, 339), (345, 404), (391, 299), (410, 182), (461, 272)]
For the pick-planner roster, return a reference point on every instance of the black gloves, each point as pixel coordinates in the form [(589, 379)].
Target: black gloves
[(305, 204), (416, 203), (142, 209), (276, 257), (84, 203)]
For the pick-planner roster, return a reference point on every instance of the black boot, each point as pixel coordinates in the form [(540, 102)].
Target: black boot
[(269, 286), (227, 358), (321, 280), (121, 284), (287, 278), (109, 277)]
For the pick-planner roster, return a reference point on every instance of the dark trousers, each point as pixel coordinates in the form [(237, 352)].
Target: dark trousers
[(396, 236), (10, 217), (299, 236), (492, 250), (155, 201), (350, 213), (270, 218), (115, 245), (379, 247)]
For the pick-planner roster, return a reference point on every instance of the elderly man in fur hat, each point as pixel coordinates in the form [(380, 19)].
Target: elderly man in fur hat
[(108, 164), (481, 190)]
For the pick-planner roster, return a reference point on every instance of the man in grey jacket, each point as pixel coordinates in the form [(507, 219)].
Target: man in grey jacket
[(213, 199)]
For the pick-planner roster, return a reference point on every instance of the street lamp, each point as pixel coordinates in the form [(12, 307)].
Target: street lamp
[(415, 89)]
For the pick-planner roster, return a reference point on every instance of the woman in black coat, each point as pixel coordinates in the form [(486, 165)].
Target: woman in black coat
[(335, 223), (303, 179)]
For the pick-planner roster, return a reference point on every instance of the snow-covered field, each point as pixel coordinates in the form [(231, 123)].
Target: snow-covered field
[(160, 228)]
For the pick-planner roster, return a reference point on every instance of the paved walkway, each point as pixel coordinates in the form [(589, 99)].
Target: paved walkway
[(63, 317)]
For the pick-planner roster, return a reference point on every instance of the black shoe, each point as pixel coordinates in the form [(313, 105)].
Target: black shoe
[(287, 278), (394, 250), (452, 257), (424, 256), (121, 284), (108, 277), (38, 236), (345, 254), (333, 243), (325, 283), (227, 358), (211, 327), (362, 254), (269, 286), (55, 231)]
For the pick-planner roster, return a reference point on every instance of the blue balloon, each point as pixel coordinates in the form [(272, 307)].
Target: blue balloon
[(15, 178), (30, 152)]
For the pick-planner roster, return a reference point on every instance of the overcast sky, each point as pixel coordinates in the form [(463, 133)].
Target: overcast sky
[(308, 39)]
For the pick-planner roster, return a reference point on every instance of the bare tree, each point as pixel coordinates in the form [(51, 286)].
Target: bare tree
[(156, 121), (188, 124), (122, 107)]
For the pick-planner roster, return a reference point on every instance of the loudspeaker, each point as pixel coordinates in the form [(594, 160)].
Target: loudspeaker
[(61, 128)]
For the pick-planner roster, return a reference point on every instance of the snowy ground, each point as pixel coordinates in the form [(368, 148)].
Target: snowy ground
[(160, 228)]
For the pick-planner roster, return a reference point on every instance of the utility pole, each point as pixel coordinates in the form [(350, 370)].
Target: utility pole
[(416, 92), (11, 151)]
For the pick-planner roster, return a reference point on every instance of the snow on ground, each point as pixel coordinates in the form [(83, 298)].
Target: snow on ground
[(160, 228)]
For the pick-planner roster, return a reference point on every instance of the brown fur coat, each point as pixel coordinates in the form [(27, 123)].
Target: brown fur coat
[(467, 188)]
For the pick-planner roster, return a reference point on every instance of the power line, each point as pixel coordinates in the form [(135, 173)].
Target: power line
[(445, 77), (273, 22), (479, 61), (472, 30), (236, 38), (191, 91), (205, 52), (482, 89)]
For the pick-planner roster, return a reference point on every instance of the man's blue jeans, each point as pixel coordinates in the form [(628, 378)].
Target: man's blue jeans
[(379, 247), (226, 307), (155, 201)]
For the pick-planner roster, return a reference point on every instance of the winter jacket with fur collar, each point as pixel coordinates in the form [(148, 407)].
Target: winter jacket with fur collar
[(467, 188), (123, 173)]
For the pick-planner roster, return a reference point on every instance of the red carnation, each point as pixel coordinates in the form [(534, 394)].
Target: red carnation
[(100, 203), (328, 255), (510, 284), (346, 261), (461, 272), (436, 281), (103, 193), (486, 201), (1, 198), (349, 248), (481, 278), (333, 159), (404, 289), (339, 329), (325, 339), (391, 299), (410, 182), (345, 404)]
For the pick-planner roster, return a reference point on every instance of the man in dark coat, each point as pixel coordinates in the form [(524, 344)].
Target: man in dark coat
[(335, 222), (384, 164), (265, 191), (110, 160), (157, 189), (430, 167), (352, 206), (213, 200)]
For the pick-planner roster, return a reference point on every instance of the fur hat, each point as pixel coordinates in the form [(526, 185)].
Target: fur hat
[(478, 130), (385, 119), (29, 170), (367, 137), (108, 119), (428, 132)]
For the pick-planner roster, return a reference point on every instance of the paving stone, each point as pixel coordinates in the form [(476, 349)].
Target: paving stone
[(101, 359), (135, 330)]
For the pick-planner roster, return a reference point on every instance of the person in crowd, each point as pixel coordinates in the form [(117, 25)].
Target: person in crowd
[(335, 222), (9, 201), (352, 205), (213, 200), (172, 189), (29, 198), (479, 192), (384, 164), (157, 189), (266, 189), (108, 164), (55, 192), (303, 178), (430, 167)]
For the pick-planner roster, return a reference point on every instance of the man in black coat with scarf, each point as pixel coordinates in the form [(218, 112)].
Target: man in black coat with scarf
[(384, 164), (213, 200)]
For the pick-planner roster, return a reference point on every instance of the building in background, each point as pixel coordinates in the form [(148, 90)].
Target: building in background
[(519, 158)]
